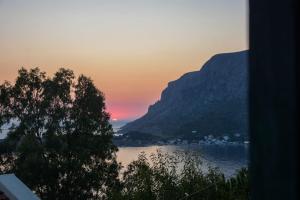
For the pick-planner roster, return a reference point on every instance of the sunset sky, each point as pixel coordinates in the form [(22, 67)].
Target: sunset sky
[(130, 48)]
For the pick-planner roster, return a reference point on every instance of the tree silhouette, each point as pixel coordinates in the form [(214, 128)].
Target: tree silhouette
[(59, 140)]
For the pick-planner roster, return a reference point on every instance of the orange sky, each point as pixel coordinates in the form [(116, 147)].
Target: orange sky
[(131, 49)]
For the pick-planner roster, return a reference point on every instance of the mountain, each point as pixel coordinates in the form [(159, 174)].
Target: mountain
[(211, 101)]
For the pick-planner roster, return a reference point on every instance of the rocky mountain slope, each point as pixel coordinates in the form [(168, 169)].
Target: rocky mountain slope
[(212, 100)]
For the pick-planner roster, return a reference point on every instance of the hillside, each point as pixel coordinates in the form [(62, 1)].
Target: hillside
[(212, 100)]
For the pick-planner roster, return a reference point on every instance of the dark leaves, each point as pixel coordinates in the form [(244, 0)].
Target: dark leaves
[(61, 142)]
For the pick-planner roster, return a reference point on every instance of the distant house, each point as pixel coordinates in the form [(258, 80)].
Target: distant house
[(12, 188), (226, 138)]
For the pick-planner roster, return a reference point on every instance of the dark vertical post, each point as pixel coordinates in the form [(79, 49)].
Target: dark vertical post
[(274, 99)]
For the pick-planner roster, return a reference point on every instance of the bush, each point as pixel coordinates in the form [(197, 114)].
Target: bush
[(179, 176)]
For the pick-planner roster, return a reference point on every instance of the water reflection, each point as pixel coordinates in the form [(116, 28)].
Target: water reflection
[(228, 158)]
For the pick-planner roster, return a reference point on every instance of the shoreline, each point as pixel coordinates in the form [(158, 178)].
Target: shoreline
[(188, 144)]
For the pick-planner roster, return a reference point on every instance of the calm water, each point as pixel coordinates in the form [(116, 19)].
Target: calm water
[(228, 158)]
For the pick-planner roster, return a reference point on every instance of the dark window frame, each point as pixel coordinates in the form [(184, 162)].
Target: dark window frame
[(274, 99)]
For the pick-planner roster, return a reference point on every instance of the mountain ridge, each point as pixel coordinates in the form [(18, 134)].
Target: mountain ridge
[(212, 100)]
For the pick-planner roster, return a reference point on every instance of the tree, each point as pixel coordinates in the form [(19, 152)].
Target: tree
[(59, 140)]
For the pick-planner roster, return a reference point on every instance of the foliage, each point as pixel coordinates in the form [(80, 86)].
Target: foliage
[(60, 144), (179, 176), (60, 140)]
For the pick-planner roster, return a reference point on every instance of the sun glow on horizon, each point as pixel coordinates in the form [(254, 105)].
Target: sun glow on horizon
[(131, 50)]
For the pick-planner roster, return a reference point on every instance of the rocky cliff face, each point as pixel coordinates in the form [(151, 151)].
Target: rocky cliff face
[(210, 101)]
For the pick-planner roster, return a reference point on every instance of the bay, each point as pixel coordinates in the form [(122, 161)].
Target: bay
[(228, 158)]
